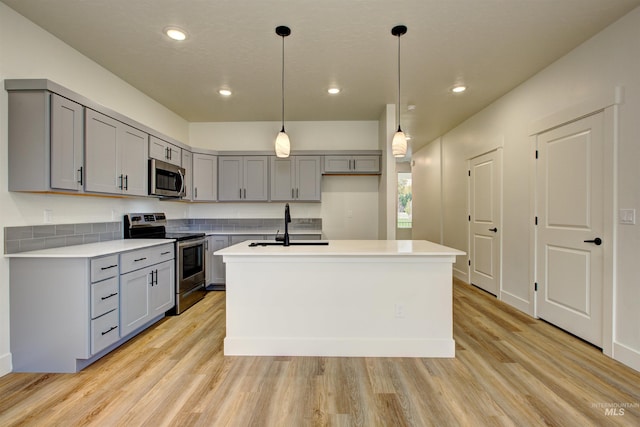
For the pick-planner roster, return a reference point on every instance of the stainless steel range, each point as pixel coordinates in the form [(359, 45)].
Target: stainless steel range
[(189, 254)]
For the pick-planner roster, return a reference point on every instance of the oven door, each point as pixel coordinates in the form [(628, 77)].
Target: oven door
[(191, 266), (165, 179)]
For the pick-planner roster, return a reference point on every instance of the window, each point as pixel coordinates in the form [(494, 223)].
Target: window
[(404, 200)]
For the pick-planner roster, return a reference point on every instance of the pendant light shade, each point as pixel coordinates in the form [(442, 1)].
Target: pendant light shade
[(283, 147), (399, 142)]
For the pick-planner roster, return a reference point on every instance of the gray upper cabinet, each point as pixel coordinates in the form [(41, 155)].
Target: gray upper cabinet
[(205, 177), (187, 164), (243, 178), (296, 178), (116, 156), (165, 151), (46, 139), (366, 164)]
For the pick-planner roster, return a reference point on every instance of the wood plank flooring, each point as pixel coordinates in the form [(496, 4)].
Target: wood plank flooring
[(509, 370)]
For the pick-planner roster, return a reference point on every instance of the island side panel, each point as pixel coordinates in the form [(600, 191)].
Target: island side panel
[(337, 306)]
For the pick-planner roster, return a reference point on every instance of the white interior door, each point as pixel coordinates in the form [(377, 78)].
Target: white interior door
[(570, 226), (485, 200)]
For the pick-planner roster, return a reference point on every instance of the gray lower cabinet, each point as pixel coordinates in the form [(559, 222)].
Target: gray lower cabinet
[(66, 313), (205, 177), (146, 286), (366, 164), (116, 156), (243, 178), (46, 142), (216, 272), (296, 178)]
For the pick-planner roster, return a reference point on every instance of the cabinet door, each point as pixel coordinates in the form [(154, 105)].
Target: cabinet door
[(205, 177), (215, 266), (283, 173), (165, 151), (230, 178), (187, 164), (67, 144), (337, 164), (101, 153), (133, 150), (256, 178), (308, 177), (134, 299), (366, 164), (163, 291)]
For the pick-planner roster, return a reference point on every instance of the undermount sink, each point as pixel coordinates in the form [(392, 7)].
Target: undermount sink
[(320, 243)]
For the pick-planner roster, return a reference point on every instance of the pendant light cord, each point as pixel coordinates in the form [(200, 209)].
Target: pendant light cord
[(399, 83), (282, 84)]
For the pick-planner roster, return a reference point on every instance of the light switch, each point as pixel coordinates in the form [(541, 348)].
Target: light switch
[(627, 216)]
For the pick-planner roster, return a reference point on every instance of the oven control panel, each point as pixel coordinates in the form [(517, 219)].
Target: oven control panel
[(145, 219)]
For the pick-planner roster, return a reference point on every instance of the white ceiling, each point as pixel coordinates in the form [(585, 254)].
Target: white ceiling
[(490, 45)]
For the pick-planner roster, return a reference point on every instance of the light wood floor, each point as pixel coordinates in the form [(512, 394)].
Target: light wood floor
[(509, 369)]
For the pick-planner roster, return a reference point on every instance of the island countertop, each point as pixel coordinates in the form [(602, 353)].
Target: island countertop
[(345, 248)]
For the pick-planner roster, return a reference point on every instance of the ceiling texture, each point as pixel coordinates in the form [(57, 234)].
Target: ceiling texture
[(491, 46)]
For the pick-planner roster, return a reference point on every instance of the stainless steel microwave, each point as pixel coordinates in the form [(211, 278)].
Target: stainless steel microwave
[(165, 179)]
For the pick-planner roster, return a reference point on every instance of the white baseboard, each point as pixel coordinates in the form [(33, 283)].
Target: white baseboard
[(339, 347), (626, 355), (461, 275), (5, 364)]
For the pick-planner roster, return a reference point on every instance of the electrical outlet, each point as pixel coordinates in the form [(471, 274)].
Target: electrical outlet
[(48, 216), (399, 310)]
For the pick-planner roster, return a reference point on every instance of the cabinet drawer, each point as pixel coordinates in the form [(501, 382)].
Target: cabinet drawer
[(104, 331), (104, 297), (103, 268), (135, 260), (162, 253)]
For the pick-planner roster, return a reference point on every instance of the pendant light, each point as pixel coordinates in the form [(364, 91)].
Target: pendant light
[(399, 142), (283, 147)]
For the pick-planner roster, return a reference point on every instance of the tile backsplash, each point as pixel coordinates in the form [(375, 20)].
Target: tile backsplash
[(35, 237)]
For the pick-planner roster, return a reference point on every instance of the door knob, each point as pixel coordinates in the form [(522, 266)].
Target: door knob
[(494, 229), (597, 241)]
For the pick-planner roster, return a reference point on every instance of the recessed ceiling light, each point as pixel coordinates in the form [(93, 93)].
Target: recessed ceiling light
[(333, 90), (459, 89), (175, 33), (224, 92)]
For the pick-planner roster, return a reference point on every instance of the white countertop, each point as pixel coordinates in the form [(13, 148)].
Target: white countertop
[(346, 248), (92, 250)]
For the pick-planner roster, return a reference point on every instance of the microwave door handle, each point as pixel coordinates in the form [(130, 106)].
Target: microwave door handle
[(181, 182)]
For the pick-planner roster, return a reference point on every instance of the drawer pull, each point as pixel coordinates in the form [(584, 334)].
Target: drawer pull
[(109, 296), (165, 253), (109, 330), (140, 259), (108, 267)]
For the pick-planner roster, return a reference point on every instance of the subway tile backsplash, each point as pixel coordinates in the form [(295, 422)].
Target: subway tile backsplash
[(31, 238)]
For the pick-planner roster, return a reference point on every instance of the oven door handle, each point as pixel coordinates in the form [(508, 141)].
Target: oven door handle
[(189, 243)]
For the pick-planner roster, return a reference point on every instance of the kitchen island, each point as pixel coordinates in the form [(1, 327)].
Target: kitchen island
[(360, 298)]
